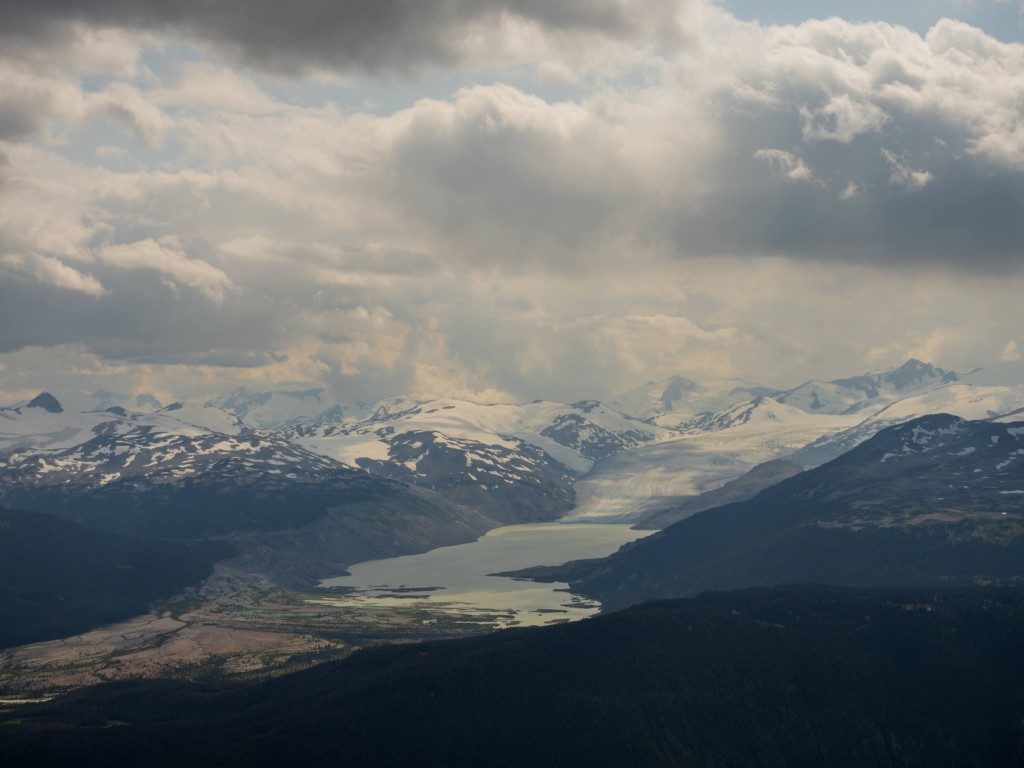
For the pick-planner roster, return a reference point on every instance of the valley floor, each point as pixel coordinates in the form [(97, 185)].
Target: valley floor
[(239, 625), (232, 626)]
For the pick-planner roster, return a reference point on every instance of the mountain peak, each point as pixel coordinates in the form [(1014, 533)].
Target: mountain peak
[(146, 401), (683, 383), (676, 390), (911, 375), (914, 366), (47, 402), (277, 408), (913, 372)]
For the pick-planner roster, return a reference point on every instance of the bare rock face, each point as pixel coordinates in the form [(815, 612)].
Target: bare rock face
[(46, 402)]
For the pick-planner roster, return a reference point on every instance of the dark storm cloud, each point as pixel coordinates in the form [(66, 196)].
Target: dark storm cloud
[(20, 118), (353, 34), (962, 211), (549, 184), (141, 320)]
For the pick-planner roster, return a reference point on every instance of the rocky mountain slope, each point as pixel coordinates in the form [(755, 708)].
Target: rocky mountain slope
[(510, 461)]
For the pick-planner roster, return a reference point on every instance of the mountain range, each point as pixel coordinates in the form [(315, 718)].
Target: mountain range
[(351, 483), (648, 451)]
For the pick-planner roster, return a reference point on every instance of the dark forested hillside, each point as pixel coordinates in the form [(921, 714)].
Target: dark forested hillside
[(936, 501), (789, 676), (58, 578)]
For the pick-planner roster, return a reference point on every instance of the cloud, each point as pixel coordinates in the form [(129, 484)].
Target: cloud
[(772, 202), (63, 276), (201, 85), (51, 271), (913, 141), (39, 78), (138, 318), (903, 175), (28, 100), (169, 261), (786, 163), (123, 104), (907, 147), (365, 35), (841, 119)]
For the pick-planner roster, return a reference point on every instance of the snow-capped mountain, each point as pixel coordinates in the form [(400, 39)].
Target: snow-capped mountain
[(810, 425), (513, 462), (574, 435), (509, 462), (761, 412), (44, 425), (676, 399), (514, 482), (962, 399), (96, 449), (500, 457), (100, 401), (57, 459), (205, 417), (871, 391), (166, 474), (275, 410)]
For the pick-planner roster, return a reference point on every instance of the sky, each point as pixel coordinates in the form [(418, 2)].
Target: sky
[(504, 199)]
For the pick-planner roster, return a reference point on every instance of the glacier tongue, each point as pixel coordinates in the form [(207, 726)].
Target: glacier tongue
[(731, 443)]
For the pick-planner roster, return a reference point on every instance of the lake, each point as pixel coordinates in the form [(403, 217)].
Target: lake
[(455, 579)]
